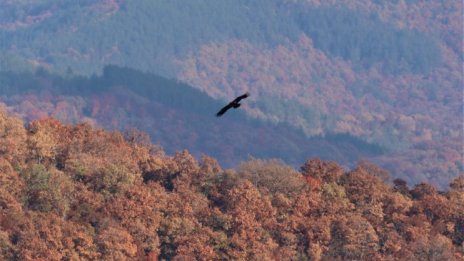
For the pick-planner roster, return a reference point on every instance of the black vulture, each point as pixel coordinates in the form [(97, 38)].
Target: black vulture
[(233, 104)]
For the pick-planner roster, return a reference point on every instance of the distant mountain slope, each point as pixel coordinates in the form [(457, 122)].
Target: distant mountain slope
[(142, 34), (150, 35), (175, 115), (389, 72), (372, 69)]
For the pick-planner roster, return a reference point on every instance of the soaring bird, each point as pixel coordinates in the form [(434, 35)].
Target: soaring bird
[(233, 104)]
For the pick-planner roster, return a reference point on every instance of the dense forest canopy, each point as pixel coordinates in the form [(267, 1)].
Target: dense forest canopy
[(174, 114), (387, 73), (148, 34), (365, 40), (74, 192), (349, 147)]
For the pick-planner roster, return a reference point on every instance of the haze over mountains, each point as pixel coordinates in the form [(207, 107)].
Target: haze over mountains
[(386, 74)]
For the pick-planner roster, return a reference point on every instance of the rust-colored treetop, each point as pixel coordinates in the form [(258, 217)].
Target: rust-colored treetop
[(75, 192)]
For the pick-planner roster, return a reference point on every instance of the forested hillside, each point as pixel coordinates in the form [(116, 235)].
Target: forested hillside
[(175, 115), (149, 35), (388, 72), (385, 72), (74, 192), (145, 34)]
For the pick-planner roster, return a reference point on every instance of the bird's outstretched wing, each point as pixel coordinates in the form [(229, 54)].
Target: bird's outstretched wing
[(223, 110), (241, 97)]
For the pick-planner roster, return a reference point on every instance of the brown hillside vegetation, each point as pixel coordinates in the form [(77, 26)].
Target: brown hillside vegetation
[(73, 192), (416, 115)]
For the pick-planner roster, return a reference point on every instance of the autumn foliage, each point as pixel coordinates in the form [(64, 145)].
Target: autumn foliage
[(74, 192)]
